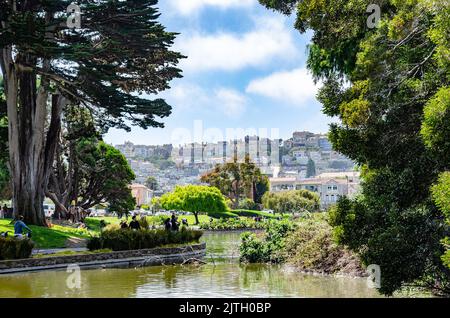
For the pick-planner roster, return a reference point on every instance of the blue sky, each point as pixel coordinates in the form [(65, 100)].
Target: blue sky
[(245, 73)]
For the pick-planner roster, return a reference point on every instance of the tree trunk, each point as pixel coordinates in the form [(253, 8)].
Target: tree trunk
[(31, 154)]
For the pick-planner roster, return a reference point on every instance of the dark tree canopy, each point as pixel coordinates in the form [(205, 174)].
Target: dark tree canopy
[(118, 56)]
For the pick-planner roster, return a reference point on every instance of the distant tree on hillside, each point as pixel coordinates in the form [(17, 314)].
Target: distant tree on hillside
[(310, 168), (237, 180), (151, 183)]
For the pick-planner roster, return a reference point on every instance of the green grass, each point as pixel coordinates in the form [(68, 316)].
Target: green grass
[(54, 237), (93, 223)]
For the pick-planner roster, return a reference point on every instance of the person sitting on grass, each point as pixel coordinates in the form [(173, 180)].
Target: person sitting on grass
[(134, 224), (123, 225), (19, 226)]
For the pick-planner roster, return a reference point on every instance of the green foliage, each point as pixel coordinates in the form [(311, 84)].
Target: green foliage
[(247, 204), (91, 57), (193, 198), (151, 183), (311, 247), (13, 248), (157, 220), (144, 223), (441, 193), (105, 176), (127, 239), (232, 224), (310, 168), (293, 201), (263, 248), (222, 215), (435, 127), (393, 111), (238, 180), (441, 196)]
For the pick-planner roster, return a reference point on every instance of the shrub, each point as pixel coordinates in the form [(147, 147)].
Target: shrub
[(267, 247), (248, 204), (220, 215), (127, 239), (143, 222), (157, 219), (232, 224), (13, 248)]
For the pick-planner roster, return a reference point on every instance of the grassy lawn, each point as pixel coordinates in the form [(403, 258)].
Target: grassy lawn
[(93, 223), (54, 237)]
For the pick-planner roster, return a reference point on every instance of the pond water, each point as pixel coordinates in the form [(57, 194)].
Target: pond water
[(222, 276)]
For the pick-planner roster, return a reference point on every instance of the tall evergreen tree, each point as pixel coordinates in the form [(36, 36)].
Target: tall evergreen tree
[(119, 50), (310, 168)]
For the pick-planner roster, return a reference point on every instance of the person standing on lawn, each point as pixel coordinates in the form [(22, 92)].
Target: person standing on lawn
[(134, 224)]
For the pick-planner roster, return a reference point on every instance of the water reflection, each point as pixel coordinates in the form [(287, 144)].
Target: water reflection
[(223, 276)]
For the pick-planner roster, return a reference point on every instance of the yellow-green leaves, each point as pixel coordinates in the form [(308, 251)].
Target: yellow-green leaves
[(435, 129), (355, 112), (441, 193)]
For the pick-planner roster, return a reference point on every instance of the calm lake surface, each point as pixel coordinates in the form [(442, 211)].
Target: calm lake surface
[(222, 276)]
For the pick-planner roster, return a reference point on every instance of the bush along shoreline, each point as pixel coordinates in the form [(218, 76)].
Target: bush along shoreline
[(15, 248), (233, 224), (307, 246), (128, 239)]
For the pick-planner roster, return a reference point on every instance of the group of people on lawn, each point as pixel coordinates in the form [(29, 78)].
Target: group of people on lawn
[(170, 224)]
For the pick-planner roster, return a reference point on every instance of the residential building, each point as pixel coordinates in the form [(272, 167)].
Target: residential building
[(141, 193)]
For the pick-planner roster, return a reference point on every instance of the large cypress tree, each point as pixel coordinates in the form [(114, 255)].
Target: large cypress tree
[(118, 52)]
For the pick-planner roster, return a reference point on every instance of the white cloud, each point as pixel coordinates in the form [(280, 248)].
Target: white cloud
[(294, 87), (232, 102), (270, 39), (187, 7), (192, 97)]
